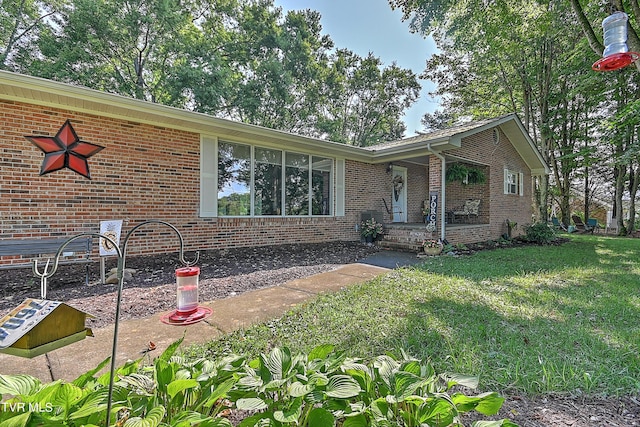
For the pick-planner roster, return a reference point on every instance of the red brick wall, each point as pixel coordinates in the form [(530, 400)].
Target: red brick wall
[(496, 207), (150, 172), (144, 172)]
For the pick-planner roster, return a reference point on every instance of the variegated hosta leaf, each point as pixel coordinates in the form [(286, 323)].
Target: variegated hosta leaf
[(183, 374), (18, 385), (140, 383), (298, 389), (152, 419), (277, 363), (459, 379), (67, 395), (342, 387), (406, 384), (499, 423), (96, 402), (290, 414), (250, 382), (191, 418), (251, 404), (21, 420), (412, 366), (275, 384), (318, 379)]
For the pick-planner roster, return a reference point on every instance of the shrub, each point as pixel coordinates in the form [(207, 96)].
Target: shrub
[(539, 233)]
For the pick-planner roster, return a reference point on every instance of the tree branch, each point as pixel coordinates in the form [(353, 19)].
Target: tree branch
[(587, 29)]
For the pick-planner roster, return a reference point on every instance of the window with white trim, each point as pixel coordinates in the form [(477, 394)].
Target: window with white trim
[(513, 182), (260, 181)]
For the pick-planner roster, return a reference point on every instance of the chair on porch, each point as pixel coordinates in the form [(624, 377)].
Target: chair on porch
[(470, 208)]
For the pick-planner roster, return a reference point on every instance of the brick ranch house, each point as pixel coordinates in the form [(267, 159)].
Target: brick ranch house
[(226, 184)]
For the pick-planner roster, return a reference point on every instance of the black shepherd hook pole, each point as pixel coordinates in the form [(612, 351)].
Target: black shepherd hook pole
[(121, 253)]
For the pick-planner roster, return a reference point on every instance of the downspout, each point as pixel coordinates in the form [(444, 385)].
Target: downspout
[(442, 191)]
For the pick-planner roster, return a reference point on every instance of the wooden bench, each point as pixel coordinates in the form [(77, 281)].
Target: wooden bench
[(78, 251)]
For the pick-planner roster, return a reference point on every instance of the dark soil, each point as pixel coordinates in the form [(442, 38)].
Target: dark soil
[(226, 273)]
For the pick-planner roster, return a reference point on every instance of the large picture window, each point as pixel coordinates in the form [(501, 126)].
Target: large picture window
[(259, 181)]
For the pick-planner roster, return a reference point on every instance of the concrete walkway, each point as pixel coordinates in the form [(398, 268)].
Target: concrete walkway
[(229, 314)]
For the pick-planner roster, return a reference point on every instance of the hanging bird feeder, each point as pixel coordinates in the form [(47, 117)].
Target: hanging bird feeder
[(616, 54), (188, 310)]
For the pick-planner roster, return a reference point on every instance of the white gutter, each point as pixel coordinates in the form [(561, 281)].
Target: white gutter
[(443, 192)]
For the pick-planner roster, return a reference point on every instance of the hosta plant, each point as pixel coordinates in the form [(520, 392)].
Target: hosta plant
[(323, 388)]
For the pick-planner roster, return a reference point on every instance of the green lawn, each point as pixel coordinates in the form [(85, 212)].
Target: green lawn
[(531, 319)]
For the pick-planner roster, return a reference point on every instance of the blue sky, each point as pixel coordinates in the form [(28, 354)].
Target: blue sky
[(364, 26)]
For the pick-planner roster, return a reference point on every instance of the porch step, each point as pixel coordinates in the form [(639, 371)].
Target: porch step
[(405, 237)]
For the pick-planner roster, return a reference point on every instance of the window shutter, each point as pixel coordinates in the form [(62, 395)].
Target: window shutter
[(521, 183), (208, 177), (340, 191), (506, 181)]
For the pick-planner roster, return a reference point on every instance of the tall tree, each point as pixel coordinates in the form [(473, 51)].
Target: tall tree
[(535, 66), (123, 46), (20, 24), (365, 101)]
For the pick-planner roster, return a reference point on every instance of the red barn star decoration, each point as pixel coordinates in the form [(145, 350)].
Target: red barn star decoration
[(65, 150)]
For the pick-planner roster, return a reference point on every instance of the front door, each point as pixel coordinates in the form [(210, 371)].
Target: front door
[(399, 194)]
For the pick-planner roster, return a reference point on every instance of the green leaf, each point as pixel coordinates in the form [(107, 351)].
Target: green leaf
[(291, 414), (66, 396), (220, 392), (320, 352), (500, 423), (169, 352), (256, 420), (21, 420), (486, 403), (82, 380), (320, 417), (96, 402), (178, 386), (142, 383), (277, 363), (251, 404), (459, 379), (297, 389), (357, 421), (192, 418), (438, 413), (342, 387), (164, 374), (406, 384), (153, 418), (18, 385)]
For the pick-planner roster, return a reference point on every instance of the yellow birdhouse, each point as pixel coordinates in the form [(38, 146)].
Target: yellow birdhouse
[(38, 326)]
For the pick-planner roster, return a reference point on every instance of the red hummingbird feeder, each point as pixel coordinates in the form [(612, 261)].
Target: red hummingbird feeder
[(616, 54), (188, 310)]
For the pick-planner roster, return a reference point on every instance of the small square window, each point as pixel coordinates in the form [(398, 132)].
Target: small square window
[(513, 182)]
